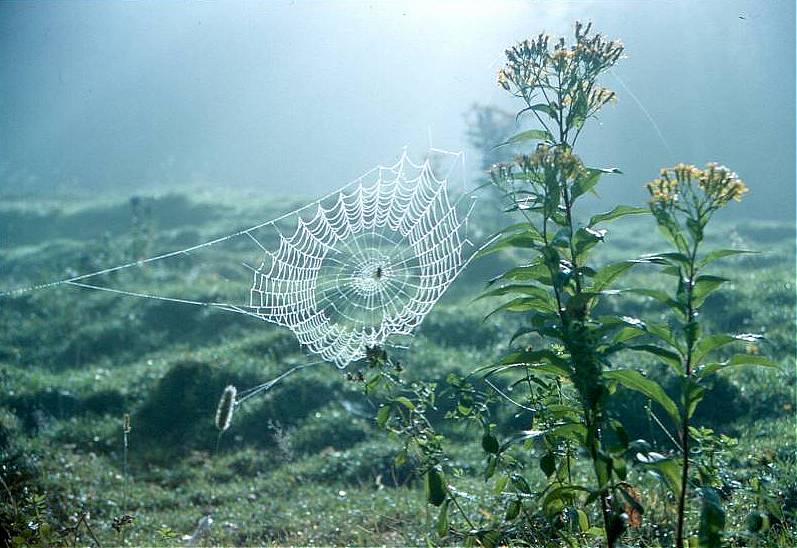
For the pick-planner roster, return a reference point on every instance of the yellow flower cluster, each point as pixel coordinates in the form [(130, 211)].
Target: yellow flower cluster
[(718, 184), (568, 166), (545, 161), (535, 64), (721, 184), (665, 189)]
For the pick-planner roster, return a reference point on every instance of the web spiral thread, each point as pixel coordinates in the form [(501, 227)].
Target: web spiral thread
[(368, 265), (353, 268)]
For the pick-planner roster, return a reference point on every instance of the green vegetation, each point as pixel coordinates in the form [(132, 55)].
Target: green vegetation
[(558, 415)]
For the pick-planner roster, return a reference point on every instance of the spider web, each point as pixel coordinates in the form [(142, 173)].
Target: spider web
[(349, 270)]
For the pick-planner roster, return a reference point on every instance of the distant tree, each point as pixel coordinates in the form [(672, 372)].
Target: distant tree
[(487, 126)]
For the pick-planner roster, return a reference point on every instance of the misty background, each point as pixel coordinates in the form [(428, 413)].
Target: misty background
[(288, 97)]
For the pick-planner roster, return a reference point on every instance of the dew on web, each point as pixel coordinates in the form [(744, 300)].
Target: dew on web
[(348, 271)]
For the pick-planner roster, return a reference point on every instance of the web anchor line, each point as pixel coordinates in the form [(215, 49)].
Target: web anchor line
[(361, 265)]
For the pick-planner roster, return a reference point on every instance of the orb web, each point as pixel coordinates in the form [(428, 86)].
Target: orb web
[(343, 273), (367, 266)]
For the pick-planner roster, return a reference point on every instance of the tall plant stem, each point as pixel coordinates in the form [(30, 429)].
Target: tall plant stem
[(679, 540), (592, 414), (126, 431), (594, 448)]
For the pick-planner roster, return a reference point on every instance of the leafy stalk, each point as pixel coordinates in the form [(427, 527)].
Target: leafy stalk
[(560, 82), (683, 201)]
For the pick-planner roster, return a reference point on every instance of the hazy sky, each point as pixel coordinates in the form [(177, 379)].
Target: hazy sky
[(306, 95)]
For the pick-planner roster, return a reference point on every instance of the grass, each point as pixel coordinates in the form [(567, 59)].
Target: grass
[(303, 464)]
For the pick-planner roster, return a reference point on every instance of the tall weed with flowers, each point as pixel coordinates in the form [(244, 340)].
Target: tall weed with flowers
[(562, 366), (683, 201), (558, 287)]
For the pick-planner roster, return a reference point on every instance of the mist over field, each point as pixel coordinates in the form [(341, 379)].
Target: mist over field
[(270, 96), (250, 294)]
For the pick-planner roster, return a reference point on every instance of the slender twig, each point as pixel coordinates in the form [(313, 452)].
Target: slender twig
[(461, 511), (84, 519)]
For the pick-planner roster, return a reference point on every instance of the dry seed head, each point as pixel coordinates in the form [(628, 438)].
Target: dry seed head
[(126, 423), (226, 408)]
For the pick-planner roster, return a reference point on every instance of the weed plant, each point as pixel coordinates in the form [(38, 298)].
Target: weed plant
[(565, 364)]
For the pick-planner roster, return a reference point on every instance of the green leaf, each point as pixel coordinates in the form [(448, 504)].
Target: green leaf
[(525, 289), (522, 240), (524, 304), (619, 467), (500, 484), (383, 415), (693, 394), (660, 296), (490, 444), (675, 259), (572, 430), (735, 361), (623, 328), (663, 332), (709, 344), (530, 135), (586, 238), (521, 484), (670, 358), (535, 271), (545, 108), (492, 464), (712, 519), (619, 211), (606, 275), (585, 183), (558, 498), (704, 286), (720, 253), (757, 522), (623, 335), (513, 510), (559, 411), (520, 332), (580, 302), (635, 381), (403, 400), (401, 458), (548, 464), (442, 525), (489, 538), (533, 368), (533, 357), (583, 520), (553, 504), (435, 487), (669, 471)]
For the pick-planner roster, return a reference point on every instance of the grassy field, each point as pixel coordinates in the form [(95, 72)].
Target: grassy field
[(304, 463)]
